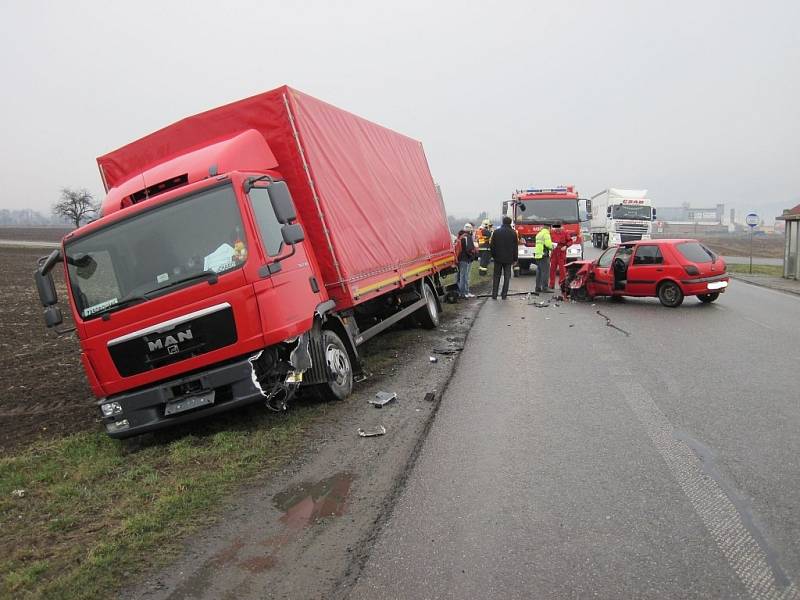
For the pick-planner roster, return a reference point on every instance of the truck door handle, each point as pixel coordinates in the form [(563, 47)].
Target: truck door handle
[(659, 269)]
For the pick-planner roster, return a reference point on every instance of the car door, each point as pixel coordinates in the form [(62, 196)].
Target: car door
[(603, 273), (645, 270)]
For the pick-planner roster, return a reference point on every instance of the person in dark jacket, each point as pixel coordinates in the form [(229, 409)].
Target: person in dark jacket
[(505, 251), (465, 253)]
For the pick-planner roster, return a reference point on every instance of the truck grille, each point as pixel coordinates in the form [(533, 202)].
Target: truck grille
[(189, 338), (632, 228)]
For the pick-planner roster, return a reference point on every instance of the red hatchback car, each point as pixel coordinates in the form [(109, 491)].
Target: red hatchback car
[(666, 269)]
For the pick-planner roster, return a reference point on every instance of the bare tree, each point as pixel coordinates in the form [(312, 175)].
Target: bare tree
[(75, 205)]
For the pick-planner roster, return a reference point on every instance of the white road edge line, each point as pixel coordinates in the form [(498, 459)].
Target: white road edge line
[(721, 518)]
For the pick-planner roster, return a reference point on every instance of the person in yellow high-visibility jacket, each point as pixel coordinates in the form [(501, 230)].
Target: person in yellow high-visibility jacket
[(541, 256)]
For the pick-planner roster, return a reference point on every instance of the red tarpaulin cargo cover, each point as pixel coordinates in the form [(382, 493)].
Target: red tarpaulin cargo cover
[(367, 203)]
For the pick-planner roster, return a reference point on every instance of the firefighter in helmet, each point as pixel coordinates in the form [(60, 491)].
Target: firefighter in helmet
[(484, 252)]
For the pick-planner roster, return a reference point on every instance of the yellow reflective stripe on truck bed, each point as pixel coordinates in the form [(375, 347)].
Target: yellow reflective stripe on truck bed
[(358, 292), (375, 286)]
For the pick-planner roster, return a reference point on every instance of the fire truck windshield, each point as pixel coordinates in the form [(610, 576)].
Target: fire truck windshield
[(632, 211), (538, 211), (184, 240)]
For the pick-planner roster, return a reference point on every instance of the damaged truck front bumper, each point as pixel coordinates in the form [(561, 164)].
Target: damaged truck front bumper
[(180, 400)]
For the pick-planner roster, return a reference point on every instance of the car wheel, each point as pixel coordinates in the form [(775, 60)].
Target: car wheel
[(708, 298), (670, 294), (428, 315), (340, 369)]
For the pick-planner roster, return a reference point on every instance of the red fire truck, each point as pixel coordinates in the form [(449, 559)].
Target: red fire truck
[(529, 209), (245, 252)]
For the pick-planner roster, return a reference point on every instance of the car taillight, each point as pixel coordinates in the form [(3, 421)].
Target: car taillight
[(691, 269)]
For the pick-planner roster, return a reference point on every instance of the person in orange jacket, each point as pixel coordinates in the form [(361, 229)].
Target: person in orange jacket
[(562, 239)]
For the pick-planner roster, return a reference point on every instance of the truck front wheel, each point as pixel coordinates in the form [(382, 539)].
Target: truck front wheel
[(339, 367)]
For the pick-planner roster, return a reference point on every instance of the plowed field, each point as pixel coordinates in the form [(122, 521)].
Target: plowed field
[(45, 393)]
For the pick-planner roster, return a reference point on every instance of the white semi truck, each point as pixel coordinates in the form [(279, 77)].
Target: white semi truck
[(618, 215)]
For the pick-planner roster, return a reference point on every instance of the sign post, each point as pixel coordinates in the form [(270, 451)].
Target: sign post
[(752, 220)]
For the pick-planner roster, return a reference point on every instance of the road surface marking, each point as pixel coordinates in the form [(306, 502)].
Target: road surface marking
[(723, 521)]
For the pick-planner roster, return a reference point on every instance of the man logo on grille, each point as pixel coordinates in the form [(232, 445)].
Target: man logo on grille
[(170, 342)]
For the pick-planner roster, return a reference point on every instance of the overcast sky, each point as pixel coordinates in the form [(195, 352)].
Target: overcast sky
[(697, 101)]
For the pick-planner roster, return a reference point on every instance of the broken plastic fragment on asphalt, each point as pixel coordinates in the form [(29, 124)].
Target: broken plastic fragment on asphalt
[(382, 398), (372, 432), (430, 396), (433, 359)]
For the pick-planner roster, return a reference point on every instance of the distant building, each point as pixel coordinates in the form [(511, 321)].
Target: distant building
[(791, 253), (686, 219)]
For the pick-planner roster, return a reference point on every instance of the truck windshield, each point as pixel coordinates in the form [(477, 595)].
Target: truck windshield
[(187, 240), (537, 211), (632, 211)]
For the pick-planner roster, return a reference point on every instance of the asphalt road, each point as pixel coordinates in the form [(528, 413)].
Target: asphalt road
[(655, 458)]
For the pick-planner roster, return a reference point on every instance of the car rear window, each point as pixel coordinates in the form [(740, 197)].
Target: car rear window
[(695, 252)]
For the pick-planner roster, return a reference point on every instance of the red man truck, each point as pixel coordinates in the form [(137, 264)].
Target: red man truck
[(531, 208), (245, 252)]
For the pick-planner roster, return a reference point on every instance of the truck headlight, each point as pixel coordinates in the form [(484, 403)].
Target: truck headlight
[(109, 409)]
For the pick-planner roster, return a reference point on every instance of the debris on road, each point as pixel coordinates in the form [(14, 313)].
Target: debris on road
[(433, 359), (430, 396), (382, 398), (375, 431), (610, 324), (18, 493)]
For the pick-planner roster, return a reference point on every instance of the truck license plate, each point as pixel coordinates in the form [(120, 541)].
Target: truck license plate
[(184, 404)]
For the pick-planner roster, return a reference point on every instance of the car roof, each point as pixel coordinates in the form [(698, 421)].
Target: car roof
[(669, 241)]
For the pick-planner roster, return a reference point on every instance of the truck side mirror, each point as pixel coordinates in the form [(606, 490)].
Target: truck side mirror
[(654, 213), (46, 288), (52, 316), (281, 201), (608, 212), (588, 209), (292, 234)]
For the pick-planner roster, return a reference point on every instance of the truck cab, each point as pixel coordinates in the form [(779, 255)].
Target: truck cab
[(530, 209), (201, 269), (620, 216)]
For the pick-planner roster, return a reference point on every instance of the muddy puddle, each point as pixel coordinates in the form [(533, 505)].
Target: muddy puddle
[(307, 502)]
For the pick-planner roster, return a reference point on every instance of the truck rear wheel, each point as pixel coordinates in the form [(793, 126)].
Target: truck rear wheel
[(428, 315), (339, 367)]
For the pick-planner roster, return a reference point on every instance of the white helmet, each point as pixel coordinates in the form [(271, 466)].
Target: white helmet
[(468, 227)]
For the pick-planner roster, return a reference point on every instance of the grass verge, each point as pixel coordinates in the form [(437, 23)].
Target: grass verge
[(97, 510), (772, 270)]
